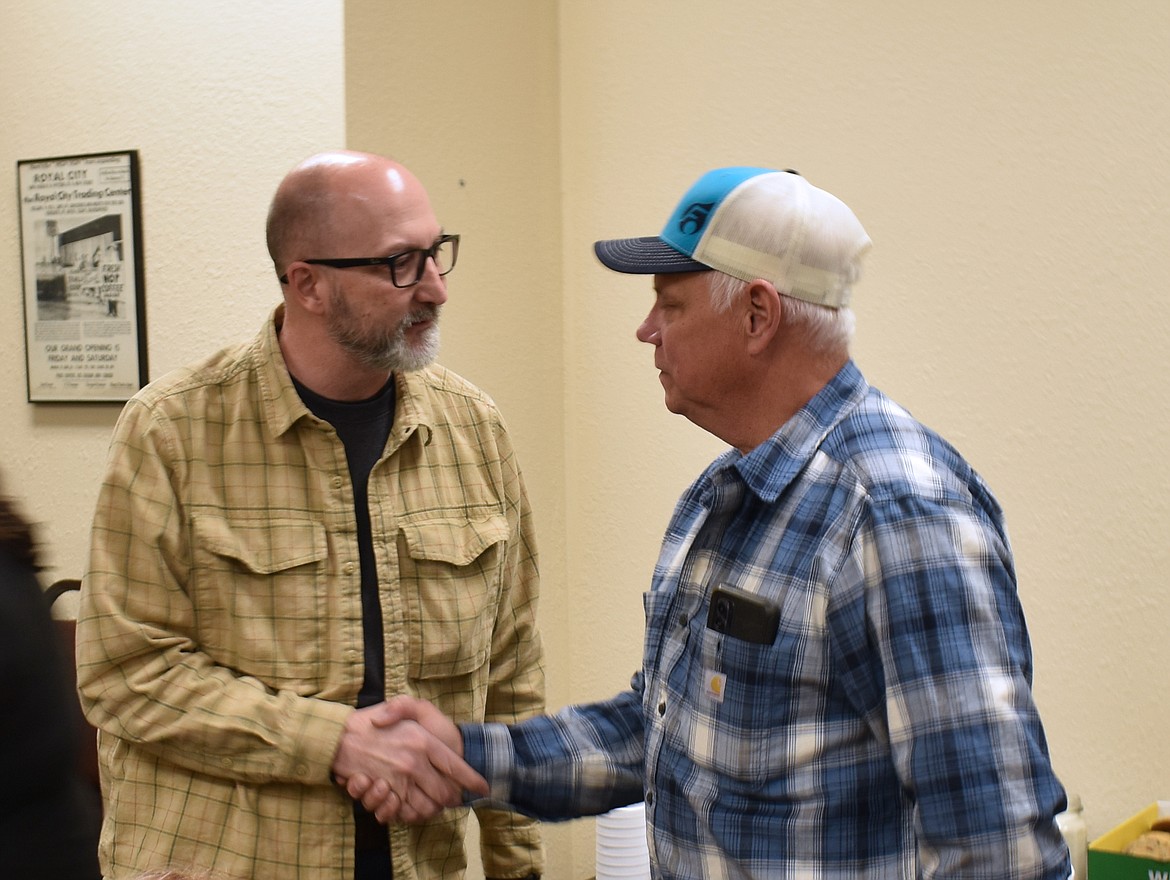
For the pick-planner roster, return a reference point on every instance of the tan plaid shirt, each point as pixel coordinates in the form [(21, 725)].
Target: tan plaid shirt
[(220, 631)]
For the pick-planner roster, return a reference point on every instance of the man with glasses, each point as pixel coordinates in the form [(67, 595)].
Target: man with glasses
[(289, 532)]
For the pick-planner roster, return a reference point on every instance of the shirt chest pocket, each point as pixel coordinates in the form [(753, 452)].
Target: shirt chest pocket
[(451, 572), (258, 590), (757, 693)]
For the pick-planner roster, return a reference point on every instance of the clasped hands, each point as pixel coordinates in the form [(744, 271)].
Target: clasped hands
[(403, 759)]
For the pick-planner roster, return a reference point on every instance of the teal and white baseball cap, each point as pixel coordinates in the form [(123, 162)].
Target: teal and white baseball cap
[(754, 223)]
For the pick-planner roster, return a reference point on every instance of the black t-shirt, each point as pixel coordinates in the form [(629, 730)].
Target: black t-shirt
[(363, 427)]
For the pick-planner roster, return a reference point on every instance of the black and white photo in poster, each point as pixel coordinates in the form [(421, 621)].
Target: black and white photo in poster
[(81, 250)]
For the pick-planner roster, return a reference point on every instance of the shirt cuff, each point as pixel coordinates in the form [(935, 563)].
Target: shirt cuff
[(488, 749)]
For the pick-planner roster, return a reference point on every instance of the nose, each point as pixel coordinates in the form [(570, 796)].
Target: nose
[(647, 332), (432, 287)]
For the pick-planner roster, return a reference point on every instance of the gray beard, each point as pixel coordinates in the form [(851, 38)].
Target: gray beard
[(386, 351)]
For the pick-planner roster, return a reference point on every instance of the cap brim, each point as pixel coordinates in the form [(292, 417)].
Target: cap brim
[(649, 255)]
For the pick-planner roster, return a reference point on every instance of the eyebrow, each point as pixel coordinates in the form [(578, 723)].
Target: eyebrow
[(404, 246)]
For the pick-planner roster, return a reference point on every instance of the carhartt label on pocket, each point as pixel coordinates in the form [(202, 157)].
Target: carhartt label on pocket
[(713, 684)]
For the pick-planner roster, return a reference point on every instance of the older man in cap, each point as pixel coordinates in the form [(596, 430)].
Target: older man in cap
[(836, 680)]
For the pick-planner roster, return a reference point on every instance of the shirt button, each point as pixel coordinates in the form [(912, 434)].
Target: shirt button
[(682, 620), (649, 798), (662, 708)]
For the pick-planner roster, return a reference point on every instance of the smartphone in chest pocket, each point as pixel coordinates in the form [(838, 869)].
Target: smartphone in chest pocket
[(741, 615)]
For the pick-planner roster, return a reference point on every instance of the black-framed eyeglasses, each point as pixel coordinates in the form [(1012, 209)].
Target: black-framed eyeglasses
[(406, 267)]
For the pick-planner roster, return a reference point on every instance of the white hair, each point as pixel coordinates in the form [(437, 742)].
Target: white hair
[(827, 330)]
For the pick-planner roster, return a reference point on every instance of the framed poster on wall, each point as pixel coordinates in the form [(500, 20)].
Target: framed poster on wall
[(81, 260)]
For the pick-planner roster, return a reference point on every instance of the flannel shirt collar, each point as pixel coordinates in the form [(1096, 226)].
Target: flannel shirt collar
[(283, 406), (773, 465)]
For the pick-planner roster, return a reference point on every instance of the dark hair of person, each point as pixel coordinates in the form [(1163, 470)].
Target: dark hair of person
[(16, 534)]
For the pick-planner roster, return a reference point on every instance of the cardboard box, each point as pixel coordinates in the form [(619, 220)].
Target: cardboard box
[(1108, 862)]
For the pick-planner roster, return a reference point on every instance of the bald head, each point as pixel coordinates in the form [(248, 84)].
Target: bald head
[(319, 201)]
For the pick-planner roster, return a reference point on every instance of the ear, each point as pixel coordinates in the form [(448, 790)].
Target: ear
[(306, 287), (762, 316)]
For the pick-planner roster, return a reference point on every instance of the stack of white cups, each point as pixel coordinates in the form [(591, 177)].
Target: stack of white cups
[(621, 844)]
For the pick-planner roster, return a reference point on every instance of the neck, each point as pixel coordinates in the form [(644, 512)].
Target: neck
[(324, 367), (779, 392)]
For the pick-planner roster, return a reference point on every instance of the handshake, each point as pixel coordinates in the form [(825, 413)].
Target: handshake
[(403, 759)]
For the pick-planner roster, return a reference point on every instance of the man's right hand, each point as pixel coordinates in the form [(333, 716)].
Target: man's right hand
[(392, 760), (379, 794)]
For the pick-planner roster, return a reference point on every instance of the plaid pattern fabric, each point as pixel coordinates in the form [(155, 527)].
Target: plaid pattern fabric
[(220, 630), (888, 731)]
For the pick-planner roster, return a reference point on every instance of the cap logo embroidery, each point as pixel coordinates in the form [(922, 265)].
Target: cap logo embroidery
[(695, 217)]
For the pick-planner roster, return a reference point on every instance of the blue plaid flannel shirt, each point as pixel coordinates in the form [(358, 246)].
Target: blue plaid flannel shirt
[(888, 731)]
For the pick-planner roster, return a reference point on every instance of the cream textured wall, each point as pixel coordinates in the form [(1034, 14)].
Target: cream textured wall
[(465, 94), (220, 98), (1009, 161)]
